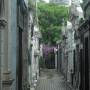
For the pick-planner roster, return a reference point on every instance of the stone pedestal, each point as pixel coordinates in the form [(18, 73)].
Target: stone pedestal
[(7, 81)]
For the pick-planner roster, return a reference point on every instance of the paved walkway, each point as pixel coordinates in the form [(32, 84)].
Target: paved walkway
[(51, 80)]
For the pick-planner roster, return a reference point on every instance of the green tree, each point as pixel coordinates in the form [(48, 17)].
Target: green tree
[(50, 18)]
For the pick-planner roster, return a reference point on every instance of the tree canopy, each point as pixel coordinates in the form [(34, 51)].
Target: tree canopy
[(50, 18)]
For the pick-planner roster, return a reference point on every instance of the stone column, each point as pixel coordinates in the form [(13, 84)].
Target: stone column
[(55, 52), (6, 77), (1, 28), (5, 74), (2, 25), (56, 60)]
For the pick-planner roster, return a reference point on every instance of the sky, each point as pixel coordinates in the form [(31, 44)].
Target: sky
[(69, 1), (81, 1), (26, 1), (46, 1)]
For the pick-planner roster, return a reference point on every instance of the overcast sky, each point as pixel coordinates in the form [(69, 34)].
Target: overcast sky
[(46, 1), (69, 1)]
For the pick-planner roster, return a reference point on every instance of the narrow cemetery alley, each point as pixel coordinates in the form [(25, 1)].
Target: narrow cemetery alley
[(51, 80), (44, 44)]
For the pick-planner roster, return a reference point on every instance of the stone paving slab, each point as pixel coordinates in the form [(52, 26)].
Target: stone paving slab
[(51, 80)]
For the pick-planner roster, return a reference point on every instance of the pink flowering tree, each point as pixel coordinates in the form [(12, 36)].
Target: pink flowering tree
[(48, 55)]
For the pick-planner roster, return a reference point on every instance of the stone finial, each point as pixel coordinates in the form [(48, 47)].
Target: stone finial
[(7, 80)]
